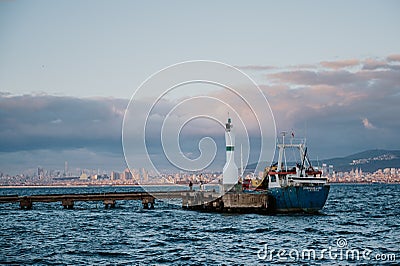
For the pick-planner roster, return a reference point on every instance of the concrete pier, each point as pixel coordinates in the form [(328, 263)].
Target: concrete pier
[(109, 199), (233, 201), (229, 202)]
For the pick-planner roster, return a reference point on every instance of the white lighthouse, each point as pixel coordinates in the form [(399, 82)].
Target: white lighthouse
[(230, 172)]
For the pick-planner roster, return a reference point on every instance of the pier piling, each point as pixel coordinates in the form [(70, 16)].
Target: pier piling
[(109, 204), (68, 204), (148, 203), (25, 204)]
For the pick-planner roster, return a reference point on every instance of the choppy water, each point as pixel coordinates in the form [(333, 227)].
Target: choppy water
[(365, 216)]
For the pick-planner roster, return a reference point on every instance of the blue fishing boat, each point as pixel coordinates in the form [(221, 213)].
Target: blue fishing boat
[(298, 188)]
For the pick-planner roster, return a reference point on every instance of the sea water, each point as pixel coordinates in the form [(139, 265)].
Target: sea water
[(360, 224)]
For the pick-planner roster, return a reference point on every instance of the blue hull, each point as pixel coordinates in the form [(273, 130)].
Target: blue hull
[(299, 199)]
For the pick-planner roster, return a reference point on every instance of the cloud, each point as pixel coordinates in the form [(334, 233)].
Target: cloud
[(47, 130), (313, 77), (323, 104), (367, 124), (393, 58), (374, 64), (56, 121), (256, 67), (326, 104), (31, 122), (340, 63)]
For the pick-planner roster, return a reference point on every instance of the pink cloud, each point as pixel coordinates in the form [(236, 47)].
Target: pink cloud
[(256, 67), (373, 64), (367, 124), (340, 63), (309, 77), (393, 57)]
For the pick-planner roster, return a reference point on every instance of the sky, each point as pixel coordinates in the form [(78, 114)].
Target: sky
[(330, 72)]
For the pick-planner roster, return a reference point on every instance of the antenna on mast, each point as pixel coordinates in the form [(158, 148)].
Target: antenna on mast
[(305, 132)]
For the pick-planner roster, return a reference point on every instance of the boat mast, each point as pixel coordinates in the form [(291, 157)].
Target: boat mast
[(284, 153), (241, 162)]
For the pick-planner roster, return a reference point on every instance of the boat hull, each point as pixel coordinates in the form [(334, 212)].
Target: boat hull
[(298, 198)]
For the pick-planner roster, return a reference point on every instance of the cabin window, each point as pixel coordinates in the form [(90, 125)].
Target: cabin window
[(273, 178)]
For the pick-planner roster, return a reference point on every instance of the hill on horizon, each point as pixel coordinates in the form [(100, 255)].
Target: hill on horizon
[(367, 161)]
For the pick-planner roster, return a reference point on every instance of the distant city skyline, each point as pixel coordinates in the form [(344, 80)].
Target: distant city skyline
[(133, 177), (330, 72)]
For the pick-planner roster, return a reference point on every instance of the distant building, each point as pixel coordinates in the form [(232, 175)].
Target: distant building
[(40, 172), (386, 171), (145, 176), (67, 178), (114, 175), (324, 169), (127, 174), (66, 168)]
